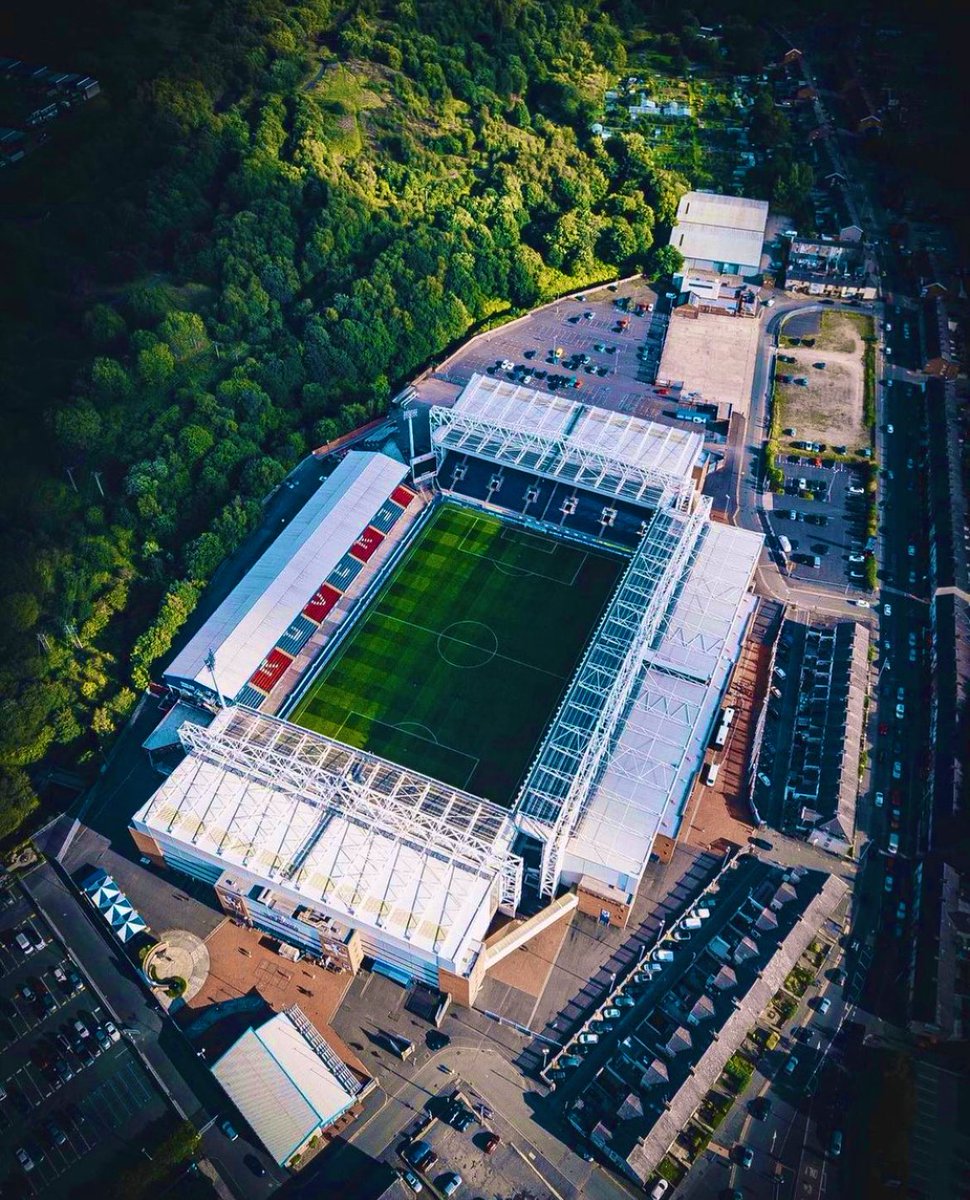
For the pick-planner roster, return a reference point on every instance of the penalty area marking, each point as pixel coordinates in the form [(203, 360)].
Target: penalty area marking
[(516, 572)]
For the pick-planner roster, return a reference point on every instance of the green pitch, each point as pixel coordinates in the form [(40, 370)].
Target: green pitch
[(457, 667)]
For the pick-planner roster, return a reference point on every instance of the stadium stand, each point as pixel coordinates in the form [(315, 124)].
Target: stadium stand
[(275, 610), (563, 507)]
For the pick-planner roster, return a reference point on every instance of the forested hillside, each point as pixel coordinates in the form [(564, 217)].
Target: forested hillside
[(273, 216)]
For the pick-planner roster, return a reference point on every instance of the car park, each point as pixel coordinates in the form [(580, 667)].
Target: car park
[(55, 1134)]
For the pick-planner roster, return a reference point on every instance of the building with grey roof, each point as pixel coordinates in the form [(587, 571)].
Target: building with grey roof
[(720, 233), (805, 769), (288, 1083)]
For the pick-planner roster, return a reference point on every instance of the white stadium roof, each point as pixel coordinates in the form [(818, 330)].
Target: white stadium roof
[(659, 744), (607, 452), (286, 1082), (247, 624), (722, 229), (337, 829)]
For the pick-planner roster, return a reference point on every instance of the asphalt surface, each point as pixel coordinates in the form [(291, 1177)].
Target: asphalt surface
[(791, 1144), (167, 1055), (99, 1101)]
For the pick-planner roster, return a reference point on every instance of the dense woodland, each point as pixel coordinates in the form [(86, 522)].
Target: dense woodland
[(275, 214)]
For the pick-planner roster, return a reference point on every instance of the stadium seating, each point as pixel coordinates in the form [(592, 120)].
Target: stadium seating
[(530, 495), (274, 666)]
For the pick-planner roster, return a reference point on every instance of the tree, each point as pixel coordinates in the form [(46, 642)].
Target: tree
[(17, 799), (78, 427), (667, 261), (19, 612), (156, 366), (105, 326), (185, 335)]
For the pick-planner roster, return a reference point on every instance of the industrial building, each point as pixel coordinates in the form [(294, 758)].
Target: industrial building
[(709, 358), (719, 233), (288, 1083), (351, 856)]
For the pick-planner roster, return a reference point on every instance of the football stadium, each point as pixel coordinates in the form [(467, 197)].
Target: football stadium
[(432, 702)]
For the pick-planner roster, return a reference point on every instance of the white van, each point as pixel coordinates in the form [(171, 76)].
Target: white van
[(785, 545), (712, 770)]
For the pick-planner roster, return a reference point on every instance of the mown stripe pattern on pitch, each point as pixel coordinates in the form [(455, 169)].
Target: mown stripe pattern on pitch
[(459, 664)]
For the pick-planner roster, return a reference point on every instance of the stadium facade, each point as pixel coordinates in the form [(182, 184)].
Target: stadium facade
[(352, 856)]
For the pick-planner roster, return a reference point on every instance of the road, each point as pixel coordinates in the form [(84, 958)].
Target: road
[(163, 1049), (519, 1116), (790, 1145)]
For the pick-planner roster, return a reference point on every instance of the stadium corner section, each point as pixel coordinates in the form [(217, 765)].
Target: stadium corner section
[(461, 657)]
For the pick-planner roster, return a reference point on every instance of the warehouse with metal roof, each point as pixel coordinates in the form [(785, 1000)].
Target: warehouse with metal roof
[(287, 1082), (720, 233)]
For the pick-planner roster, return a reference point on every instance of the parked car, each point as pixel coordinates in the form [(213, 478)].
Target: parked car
[(112, 1031), (55, 1134), (228, 1129), (761, 1108), (413, 1182), (256, 1167), (659, 1189), (451, 1182), (491, 1142)]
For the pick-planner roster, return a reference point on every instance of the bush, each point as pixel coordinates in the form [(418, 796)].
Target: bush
[(176, 987), (869, 383)]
